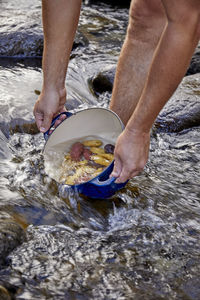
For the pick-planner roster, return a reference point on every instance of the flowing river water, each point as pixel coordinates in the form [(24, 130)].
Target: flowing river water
[(141, 244)]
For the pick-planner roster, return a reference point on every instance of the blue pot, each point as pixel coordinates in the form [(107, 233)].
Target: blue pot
[(99, 123)]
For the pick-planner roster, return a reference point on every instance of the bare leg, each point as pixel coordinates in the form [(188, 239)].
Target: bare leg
[(146, 23)]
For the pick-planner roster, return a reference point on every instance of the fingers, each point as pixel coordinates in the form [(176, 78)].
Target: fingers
[(38, 119), (125, 175), (122, 174), (46, 122), (61, 118), (117, 168)]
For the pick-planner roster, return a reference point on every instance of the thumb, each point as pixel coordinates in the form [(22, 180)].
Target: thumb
[(46, 123), (117, 168)]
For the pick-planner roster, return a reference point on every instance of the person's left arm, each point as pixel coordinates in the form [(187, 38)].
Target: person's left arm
[(169, 66)]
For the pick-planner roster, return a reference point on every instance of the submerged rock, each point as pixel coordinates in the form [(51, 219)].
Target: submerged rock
[(103, 81), (11, 236), (4, 295)]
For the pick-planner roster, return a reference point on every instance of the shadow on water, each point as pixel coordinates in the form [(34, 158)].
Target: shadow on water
[(141, 244)]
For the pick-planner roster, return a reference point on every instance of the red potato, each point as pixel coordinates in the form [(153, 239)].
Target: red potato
[(76, 151), (87, 153)]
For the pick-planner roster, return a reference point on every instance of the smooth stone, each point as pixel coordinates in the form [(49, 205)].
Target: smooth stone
[(11, 236), (4, 295)]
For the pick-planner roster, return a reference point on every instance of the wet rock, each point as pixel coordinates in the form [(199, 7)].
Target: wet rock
[(19, 126), (191, 289), (21, 30), (11, 236), (103, 81), (97, 265), (30, 44), (182, 111), (21, 44), (4, 295), (195, 62)]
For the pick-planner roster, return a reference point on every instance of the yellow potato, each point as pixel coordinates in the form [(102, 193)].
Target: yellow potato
[(82, 173), (100, 160), (97, 150), (108, 156), (92, 143)]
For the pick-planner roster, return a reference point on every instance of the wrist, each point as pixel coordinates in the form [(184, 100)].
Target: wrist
[(137, 131), (54, 72), (140, 123), (51, 90), (53, 81)]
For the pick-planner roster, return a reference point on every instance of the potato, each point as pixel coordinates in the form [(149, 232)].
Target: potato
[(102, 153), (97, 150), (109, 148), (92, 143), (82, 162), (100, 160), (87, 153), (76, 151), (107, 156)]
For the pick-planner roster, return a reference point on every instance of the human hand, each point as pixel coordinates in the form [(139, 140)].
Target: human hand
[(49, 104), (131, 154)]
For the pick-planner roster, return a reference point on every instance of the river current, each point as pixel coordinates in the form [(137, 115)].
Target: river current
[(141, 244)]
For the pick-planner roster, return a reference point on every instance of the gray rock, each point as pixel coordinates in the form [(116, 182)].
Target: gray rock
[(191, 289), (195, 62), (182, 111)]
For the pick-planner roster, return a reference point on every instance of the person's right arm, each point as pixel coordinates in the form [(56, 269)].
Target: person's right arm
[(60, 20), (169, 65)]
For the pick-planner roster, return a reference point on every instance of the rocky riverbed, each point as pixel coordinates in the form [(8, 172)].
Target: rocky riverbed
[(141, 244)]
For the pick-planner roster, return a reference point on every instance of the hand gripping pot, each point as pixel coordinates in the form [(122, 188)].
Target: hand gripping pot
[(99, 123)]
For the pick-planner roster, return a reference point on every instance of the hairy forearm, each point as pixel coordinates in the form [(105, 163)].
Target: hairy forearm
[(169, 65), (60, 20)]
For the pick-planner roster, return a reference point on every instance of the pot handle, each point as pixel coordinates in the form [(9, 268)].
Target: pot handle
[(47, 134), (108, 182)]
